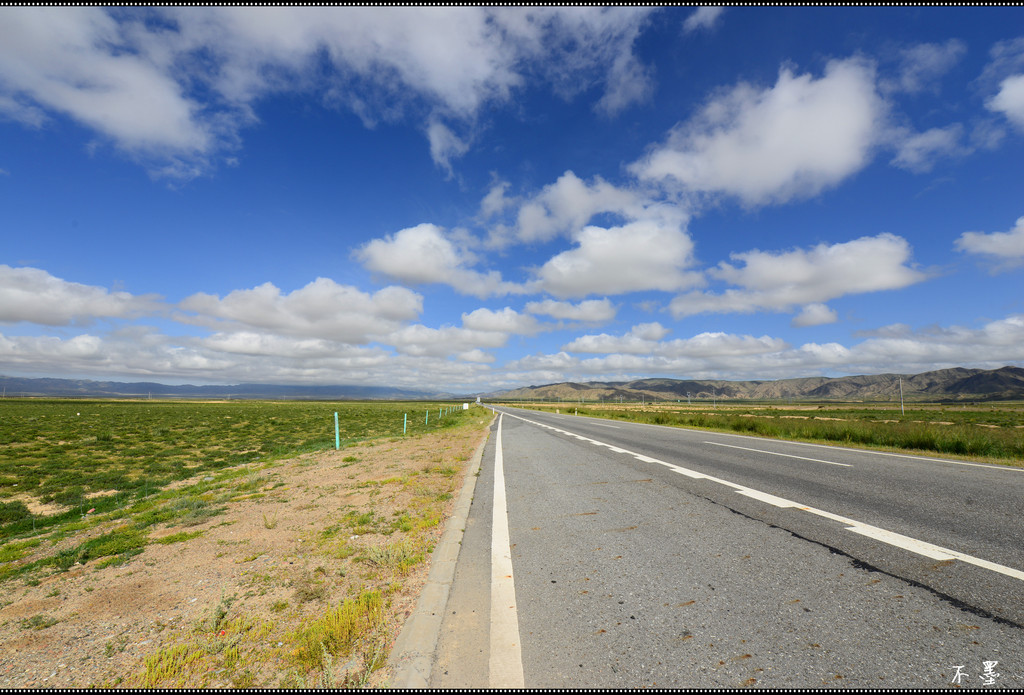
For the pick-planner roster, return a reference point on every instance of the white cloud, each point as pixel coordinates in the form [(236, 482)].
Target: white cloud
[(81, 62), (1010, 100), (23, 113), (1003, 81), (1005, 246), (780, 281), (35, 296), (588, 311), (646, 339), (566, 205), (704, 17), (918, 152), (628, 82), (923, 64), (505, 321), (444, 144), (495, 202), (423, 255), (578, 48), (815, 315), (638, 256), (322, 309), (420, 340), (788, 141), (174, 86), (721, 355)]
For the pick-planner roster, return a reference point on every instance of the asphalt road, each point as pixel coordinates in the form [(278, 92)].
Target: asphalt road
[(646, 556)]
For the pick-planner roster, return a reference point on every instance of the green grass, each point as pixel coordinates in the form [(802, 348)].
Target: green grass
[(63, 451), (179, 537), (338, 630)]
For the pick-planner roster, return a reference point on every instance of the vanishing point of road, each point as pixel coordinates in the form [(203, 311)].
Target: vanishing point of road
[(610, 554)]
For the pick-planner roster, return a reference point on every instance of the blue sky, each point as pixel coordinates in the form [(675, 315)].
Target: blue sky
[(471, 199)]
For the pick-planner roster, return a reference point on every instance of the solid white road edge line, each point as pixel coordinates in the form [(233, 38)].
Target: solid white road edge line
[(506, 659), (889, 537), (776, 453)]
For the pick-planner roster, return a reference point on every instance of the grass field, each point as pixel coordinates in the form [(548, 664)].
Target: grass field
[(992, 432), (229, 538), (59, 458)]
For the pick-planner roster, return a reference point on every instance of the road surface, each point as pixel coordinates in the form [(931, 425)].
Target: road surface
[(610, 554)]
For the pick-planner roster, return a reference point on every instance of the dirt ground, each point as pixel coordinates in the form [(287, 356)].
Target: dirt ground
[(224, 608)]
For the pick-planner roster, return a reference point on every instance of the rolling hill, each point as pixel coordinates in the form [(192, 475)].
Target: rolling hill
[(1005, 383)]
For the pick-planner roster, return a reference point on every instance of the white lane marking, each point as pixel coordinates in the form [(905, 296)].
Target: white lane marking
[(835, 447), (776, 453), (506, 659), (889, 537), (600, 424), (915, 457), (770, 499), (901, 541)]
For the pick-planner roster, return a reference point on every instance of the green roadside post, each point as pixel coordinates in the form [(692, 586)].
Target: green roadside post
[(337, 434), (405, 423)]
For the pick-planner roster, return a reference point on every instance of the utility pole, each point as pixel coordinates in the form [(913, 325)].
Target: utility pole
[(902, 412)]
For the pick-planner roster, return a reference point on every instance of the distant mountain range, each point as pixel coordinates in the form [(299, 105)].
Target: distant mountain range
[(1006, 383), (80, 388)]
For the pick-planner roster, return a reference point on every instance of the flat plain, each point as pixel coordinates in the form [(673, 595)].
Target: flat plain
[(217, 544)]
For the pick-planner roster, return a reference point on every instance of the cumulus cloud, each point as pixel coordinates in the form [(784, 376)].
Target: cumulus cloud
[(771, 145), (507, 320), (587, 311), (704, 17), (815, 315), (424, 254), (321, 309), (781, 281), (1003, 80), (174, 86), (1007, 247), (35, 296), (718, 355), (642, 255), (565, 206), (1010, 100), (646, 339)]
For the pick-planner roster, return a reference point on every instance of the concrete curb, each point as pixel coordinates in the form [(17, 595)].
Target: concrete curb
[(413, 654)]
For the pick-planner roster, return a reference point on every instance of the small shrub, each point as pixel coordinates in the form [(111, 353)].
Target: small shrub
[(38, 622), (11, 512), (338, 631), (309, 589), (179, 537)]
